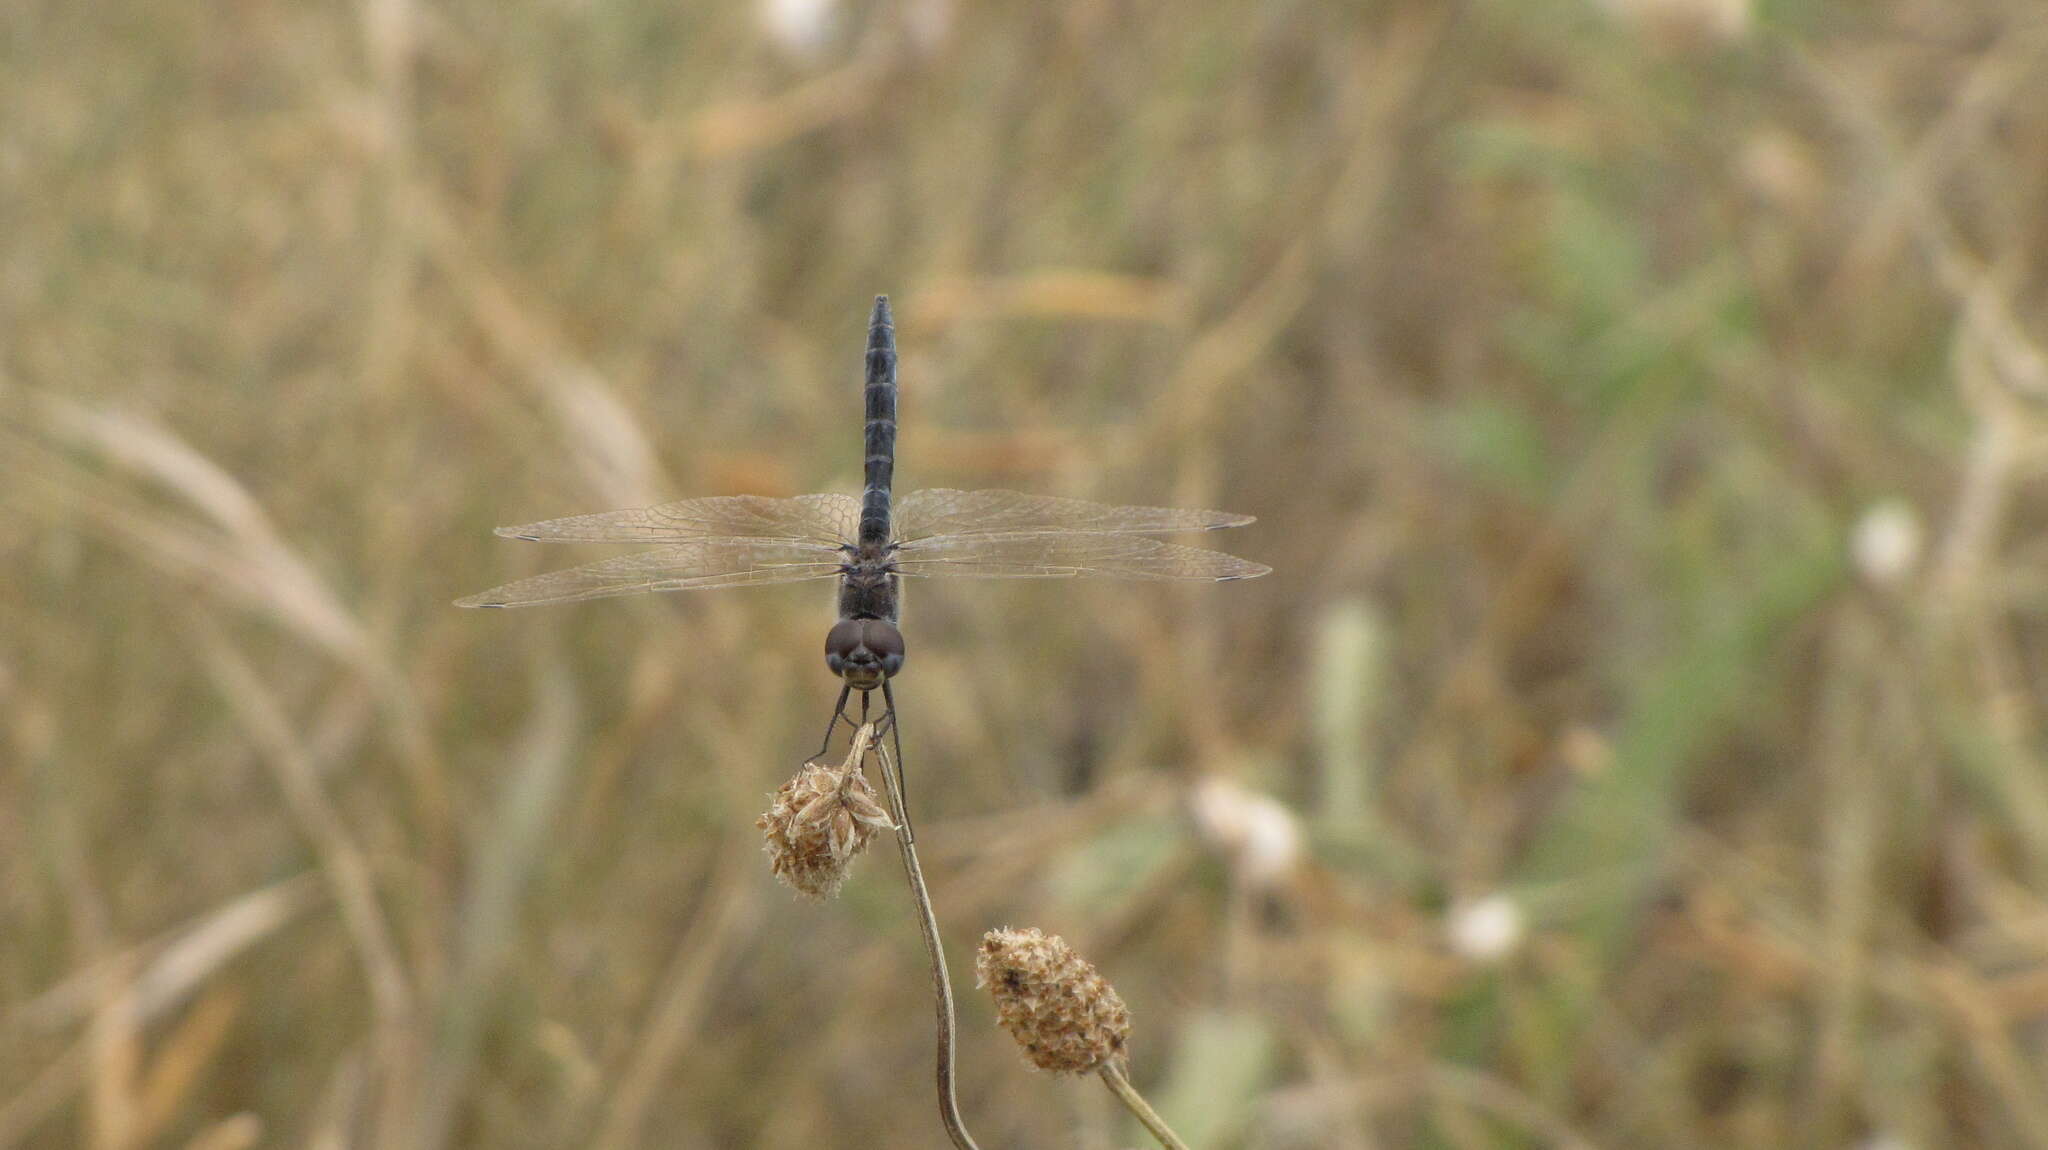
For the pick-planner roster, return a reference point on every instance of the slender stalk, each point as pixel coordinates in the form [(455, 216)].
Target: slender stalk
[(1113, 1075), (942, 987)]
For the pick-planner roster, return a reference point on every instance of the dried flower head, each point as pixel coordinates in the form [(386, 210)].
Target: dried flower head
[(819, 820), (804, 28), (1064, 1015), (1886, 542), (1256, 832), (1485, 929)]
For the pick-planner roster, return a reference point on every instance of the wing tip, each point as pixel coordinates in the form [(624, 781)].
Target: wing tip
[(520, 532), (1252, 571), (477, 601), (1231, 519)]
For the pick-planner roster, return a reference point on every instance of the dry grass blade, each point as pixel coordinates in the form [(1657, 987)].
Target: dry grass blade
[(180, 1058), (237, 1133), (148, 449), (620, 467), (179, 967), (35, 1101), (1223, 353), (180, 964), (618, 463), (724, 919), (508, 852), (341, 860), (748, 125), (112, 1115), (336, 1115), (1079, 293), (241, 553), (1489, 1093), (2005, 1062)]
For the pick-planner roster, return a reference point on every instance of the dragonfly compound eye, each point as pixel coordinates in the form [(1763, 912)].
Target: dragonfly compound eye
[(887, 644), (864, 651)]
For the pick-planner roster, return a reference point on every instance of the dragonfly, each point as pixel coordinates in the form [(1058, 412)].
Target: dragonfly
[(871, 544)]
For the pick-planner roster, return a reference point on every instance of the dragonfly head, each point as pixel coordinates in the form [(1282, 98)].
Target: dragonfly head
[(864, 652)]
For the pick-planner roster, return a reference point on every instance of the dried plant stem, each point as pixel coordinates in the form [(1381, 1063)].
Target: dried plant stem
[(1113, 1074), (942, 986)]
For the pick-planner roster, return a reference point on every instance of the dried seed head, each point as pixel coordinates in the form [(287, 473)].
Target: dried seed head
[(1486, 929), (1256, 832), (1064, 1015), (818, 822), (1886, 543)]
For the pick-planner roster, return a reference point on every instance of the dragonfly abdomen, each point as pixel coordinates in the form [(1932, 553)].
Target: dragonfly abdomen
[(880, 438)]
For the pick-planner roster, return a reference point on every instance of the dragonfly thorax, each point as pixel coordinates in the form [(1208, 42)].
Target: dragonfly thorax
[(869, 586), (864, 651)]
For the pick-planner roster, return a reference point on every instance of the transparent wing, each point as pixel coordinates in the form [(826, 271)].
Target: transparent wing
[(1068, 556), (828, 519), (943, 511), (691, 566)]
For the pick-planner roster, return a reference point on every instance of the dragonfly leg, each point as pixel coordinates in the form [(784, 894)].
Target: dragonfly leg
[(838, 713)]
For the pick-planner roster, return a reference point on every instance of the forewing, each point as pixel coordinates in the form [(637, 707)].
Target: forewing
[(1068, 556), (827, 519), (944, 511), (680, 567)]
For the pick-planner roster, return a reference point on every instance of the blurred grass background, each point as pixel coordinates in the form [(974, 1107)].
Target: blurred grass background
[(1640, 742)]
